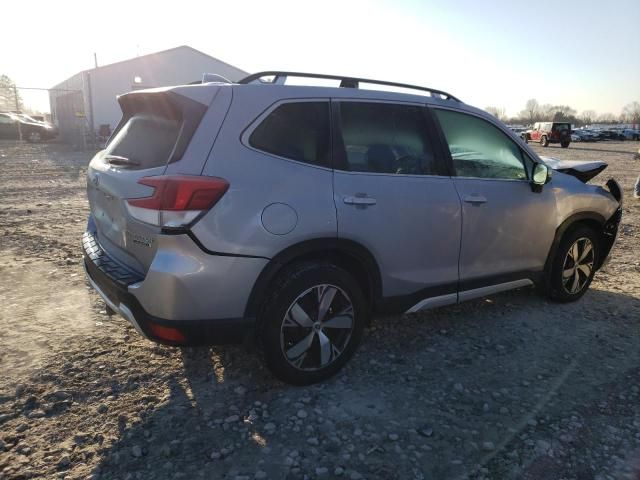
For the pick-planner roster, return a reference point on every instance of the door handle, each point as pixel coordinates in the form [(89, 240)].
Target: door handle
[(474, 199), (359, 200)]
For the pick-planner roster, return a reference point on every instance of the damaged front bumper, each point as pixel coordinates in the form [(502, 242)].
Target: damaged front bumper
[(611, 226)]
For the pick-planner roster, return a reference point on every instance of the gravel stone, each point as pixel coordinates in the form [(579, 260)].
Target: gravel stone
[(488, 446)]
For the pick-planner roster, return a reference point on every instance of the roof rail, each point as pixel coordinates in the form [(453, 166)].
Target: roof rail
[(345, 82)]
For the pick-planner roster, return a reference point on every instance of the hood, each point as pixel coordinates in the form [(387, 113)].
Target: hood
[(582, 170)]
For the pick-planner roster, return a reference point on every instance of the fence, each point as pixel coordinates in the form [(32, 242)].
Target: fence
[(67, 108)]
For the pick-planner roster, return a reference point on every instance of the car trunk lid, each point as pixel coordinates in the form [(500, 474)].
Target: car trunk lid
[(154, 134)]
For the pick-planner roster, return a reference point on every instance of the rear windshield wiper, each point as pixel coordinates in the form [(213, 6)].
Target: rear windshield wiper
[(118, 160)]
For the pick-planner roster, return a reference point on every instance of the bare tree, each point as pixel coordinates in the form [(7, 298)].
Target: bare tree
[(606, 117), (588, 116), (631, 112), (497, 112), (531, 111), (8, 94)]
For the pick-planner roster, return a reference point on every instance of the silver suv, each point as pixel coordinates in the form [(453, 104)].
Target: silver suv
[(291, 214)]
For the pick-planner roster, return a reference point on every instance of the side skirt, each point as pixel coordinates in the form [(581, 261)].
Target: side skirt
[(463, 296)]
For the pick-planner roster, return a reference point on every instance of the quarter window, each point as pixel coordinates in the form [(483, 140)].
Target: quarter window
[(385, 138), (479, 149), (298, 130)]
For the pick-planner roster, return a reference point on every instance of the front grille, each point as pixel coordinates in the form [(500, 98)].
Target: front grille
[(107, 265)]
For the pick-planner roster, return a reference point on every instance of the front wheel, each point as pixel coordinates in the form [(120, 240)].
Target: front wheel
[(564, 144), (312, 323), (574, 265), (544, 141)]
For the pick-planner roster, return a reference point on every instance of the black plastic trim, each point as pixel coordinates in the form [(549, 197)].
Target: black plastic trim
[(318, 247), (562, 229), (402, 303), (196, 332)]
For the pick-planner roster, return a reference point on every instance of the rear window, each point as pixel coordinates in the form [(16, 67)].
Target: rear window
[(147, 140), (558, 127), (298, 130)]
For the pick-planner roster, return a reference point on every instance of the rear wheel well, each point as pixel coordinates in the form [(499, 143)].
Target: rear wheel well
[(354, 259)]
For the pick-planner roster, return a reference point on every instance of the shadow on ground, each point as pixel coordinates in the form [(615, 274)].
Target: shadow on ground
[(445, 394)]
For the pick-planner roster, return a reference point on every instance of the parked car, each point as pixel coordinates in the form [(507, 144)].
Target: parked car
[(12, 125), (630, 134), (53, 130), (550, 132), (290, 215), (583, 135), (610, 135)]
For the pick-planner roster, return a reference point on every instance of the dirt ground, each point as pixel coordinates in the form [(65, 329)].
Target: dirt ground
[(509, 386)]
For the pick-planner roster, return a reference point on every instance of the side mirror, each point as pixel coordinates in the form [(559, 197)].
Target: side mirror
[(541, 175)]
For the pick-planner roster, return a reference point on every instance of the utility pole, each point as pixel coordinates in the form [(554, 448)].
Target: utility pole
[(15, 95), (95, 59)]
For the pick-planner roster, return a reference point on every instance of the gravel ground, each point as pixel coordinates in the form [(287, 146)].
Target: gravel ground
[(509, 386)]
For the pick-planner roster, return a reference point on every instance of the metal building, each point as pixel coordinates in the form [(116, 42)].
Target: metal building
[(87, 100)]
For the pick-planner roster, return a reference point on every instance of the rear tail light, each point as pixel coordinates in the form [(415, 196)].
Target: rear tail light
[(177, 200)]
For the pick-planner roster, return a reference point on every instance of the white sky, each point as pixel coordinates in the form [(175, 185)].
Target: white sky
[(499, 53)]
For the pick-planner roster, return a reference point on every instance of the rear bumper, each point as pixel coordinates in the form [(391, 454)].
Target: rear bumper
[(114, 283)]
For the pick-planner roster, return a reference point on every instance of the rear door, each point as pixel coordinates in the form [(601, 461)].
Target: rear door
[(394, 196), (162, 131)]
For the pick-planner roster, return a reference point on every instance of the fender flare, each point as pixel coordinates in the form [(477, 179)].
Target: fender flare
[(563, 228), (315, 248)]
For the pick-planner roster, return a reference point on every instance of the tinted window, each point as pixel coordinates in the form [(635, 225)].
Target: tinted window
[(479, 149), (146, 139), (299, 131), (386, 138)]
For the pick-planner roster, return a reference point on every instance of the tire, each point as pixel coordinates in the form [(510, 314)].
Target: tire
[(291, 333), (562, 285), (564, 144), (544, 141)]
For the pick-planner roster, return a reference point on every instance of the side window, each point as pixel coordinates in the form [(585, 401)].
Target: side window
[(386, 138), (299, 131), (479, 149), (5, 119)]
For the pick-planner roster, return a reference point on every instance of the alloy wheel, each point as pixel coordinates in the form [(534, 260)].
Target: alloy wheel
[(317, 327), (578, 265)]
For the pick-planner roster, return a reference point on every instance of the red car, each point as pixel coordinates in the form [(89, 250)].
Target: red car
[(549, 132)]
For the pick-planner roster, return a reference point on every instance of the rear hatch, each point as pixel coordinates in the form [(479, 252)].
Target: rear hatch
[(561, 131), (159, 131)]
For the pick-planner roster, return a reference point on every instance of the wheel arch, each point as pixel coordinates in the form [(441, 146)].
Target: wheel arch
[(589, 219), (351, 255)]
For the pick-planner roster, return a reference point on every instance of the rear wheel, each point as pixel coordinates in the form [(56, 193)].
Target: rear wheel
[(564, 144), (544, 141), (574, 265), (312, 322)]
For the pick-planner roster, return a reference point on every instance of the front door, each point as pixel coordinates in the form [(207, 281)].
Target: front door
[(393, 195), (507, 228)]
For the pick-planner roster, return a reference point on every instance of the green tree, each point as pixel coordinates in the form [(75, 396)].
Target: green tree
[(8, 95)]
